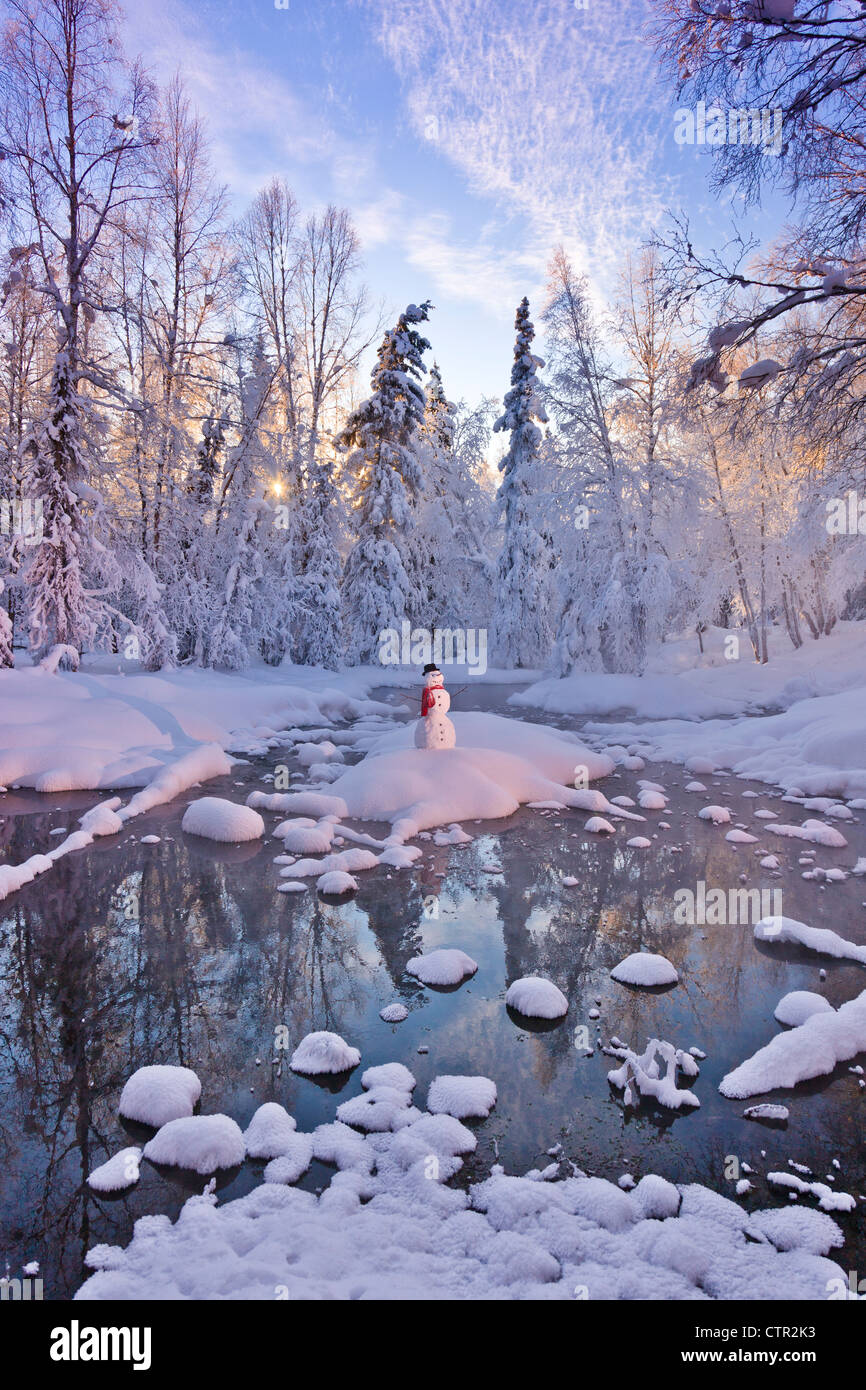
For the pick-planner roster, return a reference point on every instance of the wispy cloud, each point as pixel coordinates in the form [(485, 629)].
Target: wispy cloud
[(553, 111)]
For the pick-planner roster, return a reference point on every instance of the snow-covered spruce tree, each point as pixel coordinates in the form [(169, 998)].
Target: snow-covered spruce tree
[(381, 585), (521, 627)]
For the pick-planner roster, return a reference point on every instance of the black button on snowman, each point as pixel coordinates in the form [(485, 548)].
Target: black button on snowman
[(434, 729)]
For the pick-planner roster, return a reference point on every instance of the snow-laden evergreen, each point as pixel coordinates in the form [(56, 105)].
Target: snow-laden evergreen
[(521, 626), (382, 585)]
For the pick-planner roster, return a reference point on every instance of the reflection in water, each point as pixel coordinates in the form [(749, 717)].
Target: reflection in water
[(184, 952)]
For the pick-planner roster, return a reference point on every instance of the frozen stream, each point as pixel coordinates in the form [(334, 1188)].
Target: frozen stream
[(184, 952)]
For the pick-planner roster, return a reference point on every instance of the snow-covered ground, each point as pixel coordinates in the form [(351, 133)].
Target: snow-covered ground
[(387, 1226), (688, 706)]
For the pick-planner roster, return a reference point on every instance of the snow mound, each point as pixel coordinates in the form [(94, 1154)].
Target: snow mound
[(379, 1109), (217, 819), (645, 968), (796, 1228), (392, 1074), (815, 831), (535, 997), (394, 1013), (597, 825), (464, 1097), (299, 837), (324, 1053), (121, 1170), (336, 882), (639, 842), (268, 1132), (154, 1095), (446, 966), (203, 1143), (794, 1008), (483, 778), (769, 1114), (821, 939), (293, 1162), (719, 815)]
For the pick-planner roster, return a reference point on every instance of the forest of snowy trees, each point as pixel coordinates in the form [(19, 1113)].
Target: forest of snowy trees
[(193, 468)]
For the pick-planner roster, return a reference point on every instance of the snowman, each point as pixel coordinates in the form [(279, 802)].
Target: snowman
[(434, 729)]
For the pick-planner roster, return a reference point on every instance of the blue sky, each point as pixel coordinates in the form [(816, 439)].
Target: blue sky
[(466, 136)]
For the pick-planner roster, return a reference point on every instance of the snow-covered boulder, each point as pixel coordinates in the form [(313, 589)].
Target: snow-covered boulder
[(394, 1013), (203, 1143), (154, 1095), (269, 1131), (535, 997), (119, 1172), (336, 882), (214, 818), (794, 1008), (392, 1074), (719, 815), (464, 1097), (645, 968), (320, 1054), (446, 966)]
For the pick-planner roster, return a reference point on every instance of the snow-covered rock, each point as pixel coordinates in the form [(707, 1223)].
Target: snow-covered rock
[(535, 997), (203, 1143), (446, 966), (645, 968), (214, 818), (324, 1053), (156, 1094), (119, 1172), (794, 1008), (464, 1097), (269, 1131)]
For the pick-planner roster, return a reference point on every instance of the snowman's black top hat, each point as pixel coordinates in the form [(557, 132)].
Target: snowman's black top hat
[(431, 666)]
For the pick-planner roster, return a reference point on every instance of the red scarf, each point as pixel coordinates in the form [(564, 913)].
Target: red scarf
[(427, 700)]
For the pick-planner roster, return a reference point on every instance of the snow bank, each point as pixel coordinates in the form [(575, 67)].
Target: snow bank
[(645, 968), (217, 819), (203, 1143), (162, 733), (535, 997), (154, 1095)]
